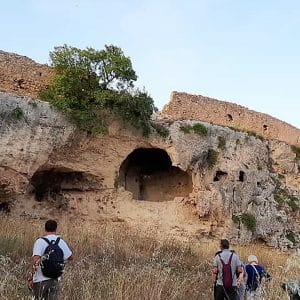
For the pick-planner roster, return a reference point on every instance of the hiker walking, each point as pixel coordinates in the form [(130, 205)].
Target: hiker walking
[(256, 276), (228, 271), (49, 256)]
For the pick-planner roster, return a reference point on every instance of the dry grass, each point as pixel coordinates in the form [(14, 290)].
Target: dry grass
[(112, 263)]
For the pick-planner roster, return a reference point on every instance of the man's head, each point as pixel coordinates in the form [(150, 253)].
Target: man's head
[(224, 244), (50, 226)]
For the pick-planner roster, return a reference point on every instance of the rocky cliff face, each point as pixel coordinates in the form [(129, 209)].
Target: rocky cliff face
[(202, 180)]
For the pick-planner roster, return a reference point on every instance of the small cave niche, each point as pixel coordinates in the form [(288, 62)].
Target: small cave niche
[(6, 197), (229, 117), (4, 207), (51, 184), (265, 127), (242, 176), (20, 83), (149, 175), (219, 175)]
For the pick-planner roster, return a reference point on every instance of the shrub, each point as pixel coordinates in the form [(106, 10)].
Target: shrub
[(199, 129), (279, 199), (163, 131), (249, 132), (212, 158), (253, 133), (293, 202), (17, 113), (186, 128), (291, 237), (221, 143), (92, 86), (249, 221)]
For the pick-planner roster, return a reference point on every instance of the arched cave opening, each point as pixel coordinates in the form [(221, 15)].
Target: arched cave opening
[(149, 175), (52, 184)]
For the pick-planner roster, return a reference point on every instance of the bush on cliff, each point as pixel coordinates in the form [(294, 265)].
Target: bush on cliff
[(91, 86)]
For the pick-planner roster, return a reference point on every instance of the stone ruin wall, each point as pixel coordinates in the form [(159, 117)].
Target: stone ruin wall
[(191, 107), (22, 76)]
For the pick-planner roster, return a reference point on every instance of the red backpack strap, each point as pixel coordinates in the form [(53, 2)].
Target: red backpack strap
[(229, 261)]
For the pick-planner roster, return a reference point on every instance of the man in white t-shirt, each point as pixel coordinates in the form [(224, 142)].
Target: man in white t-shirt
[(45, 288)]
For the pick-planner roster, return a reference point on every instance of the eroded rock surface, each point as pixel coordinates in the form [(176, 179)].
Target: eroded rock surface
[(223, 182)]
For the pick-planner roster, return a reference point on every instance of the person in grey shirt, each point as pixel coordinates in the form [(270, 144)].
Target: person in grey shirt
[(220, 291)]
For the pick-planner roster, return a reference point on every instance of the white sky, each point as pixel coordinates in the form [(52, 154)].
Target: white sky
[(247, 52)]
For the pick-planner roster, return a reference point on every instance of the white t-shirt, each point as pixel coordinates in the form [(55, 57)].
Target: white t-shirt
[(39, 248)]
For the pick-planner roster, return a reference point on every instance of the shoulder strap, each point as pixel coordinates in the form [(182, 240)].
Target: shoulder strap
[(229, 261), (46, 240), (257, 273), (258, 277), (57, 241)]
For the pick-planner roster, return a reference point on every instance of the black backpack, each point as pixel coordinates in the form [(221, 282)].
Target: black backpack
[(52, 261)]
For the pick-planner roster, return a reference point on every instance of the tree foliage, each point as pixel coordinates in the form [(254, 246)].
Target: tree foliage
[(92, 85)]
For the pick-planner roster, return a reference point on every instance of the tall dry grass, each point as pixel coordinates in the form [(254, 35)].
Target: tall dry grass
[(112, 262)]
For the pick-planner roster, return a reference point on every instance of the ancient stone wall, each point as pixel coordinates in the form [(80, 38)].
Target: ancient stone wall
[(183, 106), (21, 75)]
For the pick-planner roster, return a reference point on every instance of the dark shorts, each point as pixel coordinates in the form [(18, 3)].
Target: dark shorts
[(221, 294), (46, 290)]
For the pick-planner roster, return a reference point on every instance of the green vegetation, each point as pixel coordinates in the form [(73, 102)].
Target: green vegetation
[(212, 158), (17, 113), (186, 128), (296, 150), (197, 128), (94, 86), (279, 199), (221, 143), (200, 129), (253, 133), (291, 237), (161, 130), (247, 219), (293, 202), (249, 132), (282, 197)]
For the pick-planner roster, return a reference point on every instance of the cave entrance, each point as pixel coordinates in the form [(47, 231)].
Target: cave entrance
[(53, 184), (149, 175)]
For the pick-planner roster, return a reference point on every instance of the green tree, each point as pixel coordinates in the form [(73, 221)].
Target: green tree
[(90, 85)]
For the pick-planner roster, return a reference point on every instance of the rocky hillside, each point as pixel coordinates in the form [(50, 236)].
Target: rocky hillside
[(199, 180)]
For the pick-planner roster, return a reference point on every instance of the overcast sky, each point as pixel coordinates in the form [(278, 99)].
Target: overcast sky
[(247, 52)]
